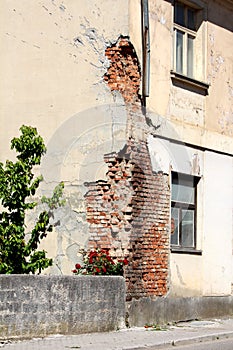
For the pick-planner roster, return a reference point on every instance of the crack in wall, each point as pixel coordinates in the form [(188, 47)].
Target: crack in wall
[(128, 213)]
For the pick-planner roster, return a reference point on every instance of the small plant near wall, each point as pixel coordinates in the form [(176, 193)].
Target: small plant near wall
[(19, 252), (99, 262)]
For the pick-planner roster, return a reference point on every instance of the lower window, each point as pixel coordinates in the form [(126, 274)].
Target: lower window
[(183, 211)]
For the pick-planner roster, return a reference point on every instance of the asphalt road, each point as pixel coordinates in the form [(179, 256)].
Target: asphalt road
[(224, 344)]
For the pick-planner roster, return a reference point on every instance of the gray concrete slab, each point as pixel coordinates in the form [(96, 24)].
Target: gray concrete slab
[(133, 338)]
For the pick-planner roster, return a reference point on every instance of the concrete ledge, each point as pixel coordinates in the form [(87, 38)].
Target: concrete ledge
[(166, 310), (35, 306)]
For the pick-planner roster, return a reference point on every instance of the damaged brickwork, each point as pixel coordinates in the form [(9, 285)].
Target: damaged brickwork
[(124, 71), (128, 212), (133, 201)]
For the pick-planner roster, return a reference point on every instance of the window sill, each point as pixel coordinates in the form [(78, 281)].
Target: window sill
[(186, 82), (193, 251)]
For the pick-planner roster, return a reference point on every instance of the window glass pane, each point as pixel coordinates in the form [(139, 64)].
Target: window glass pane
[(191, 19), (175, 226), (179, 51), (179, 14), (187, 228), (190, 56), (183, 193)]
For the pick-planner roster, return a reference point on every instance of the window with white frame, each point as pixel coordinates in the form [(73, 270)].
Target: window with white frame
[(183, 211), (188, 39)]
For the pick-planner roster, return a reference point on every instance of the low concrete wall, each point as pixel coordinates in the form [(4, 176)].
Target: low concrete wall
[(33, 306), (165, 310)]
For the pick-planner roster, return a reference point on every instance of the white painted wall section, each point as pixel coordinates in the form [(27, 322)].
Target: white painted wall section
[(217, 238)]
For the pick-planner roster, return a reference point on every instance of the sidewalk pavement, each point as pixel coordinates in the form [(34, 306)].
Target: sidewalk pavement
[(132, 338)]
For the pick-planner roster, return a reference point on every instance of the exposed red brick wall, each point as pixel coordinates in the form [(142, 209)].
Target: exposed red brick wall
[(149, 239), (108, 209), (135, 201), (129, 211), (124, 71)]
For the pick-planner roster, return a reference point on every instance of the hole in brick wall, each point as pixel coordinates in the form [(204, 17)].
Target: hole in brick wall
[(132, 207), (124, 72)]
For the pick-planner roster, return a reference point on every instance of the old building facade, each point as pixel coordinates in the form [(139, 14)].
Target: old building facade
[(134, 101)]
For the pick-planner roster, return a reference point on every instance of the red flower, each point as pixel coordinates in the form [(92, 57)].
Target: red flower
[(91, 254), (105, 251), (124, 262), (99, 262), (110, 260)]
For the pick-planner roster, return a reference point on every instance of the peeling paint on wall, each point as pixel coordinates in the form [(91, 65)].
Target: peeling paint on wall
[(128, 212)]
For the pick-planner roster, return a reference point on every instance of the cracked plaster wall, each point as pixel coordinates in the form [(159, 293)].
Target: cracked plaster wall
[(128, 212), (53, 78), (64, 53), (220, 63), (53, 60), (53, 65), (197, 119), (206, 121)]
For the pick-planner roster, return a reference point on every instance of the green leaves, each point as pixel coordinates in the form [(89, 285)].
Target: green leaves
[(17, 185), (38, 261), (29, 145), (54, 202)]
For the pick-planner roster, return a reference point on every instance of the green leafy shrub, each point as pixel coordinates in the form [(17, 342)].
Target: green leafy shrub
[(19, 249), (99, 262)]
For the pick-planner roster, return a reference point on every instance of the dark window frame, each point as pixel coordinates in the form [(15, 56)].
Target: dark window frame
[(188, 69), (178, 178), (185, 63)]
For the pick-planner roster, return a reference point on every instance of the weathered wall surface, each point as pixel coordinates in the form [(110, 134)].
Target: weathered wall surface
[(129, 213), (187, 115), (34, 306), (166, 310), (54, 62), (196, 275), (73, 70), (53, 54), (88, 64), (220, 62), (217, 258), (202, 120)]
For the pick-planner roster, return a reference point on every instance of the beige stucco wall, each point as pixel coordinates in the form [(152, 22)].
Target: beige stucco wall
[(220, 63), (218, 224), (210, 273), (53, 62), (202, 120), (52, 68), (186, 275)]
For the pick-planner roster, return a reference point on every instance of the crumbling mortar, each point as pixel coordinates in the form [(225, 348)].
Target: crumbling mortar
[(140, 221), (124, 72)]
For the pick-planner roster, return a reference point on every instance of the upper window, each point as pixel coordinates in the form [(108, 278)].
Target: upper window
[(183, 211), (184, 37), (189, 40)]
